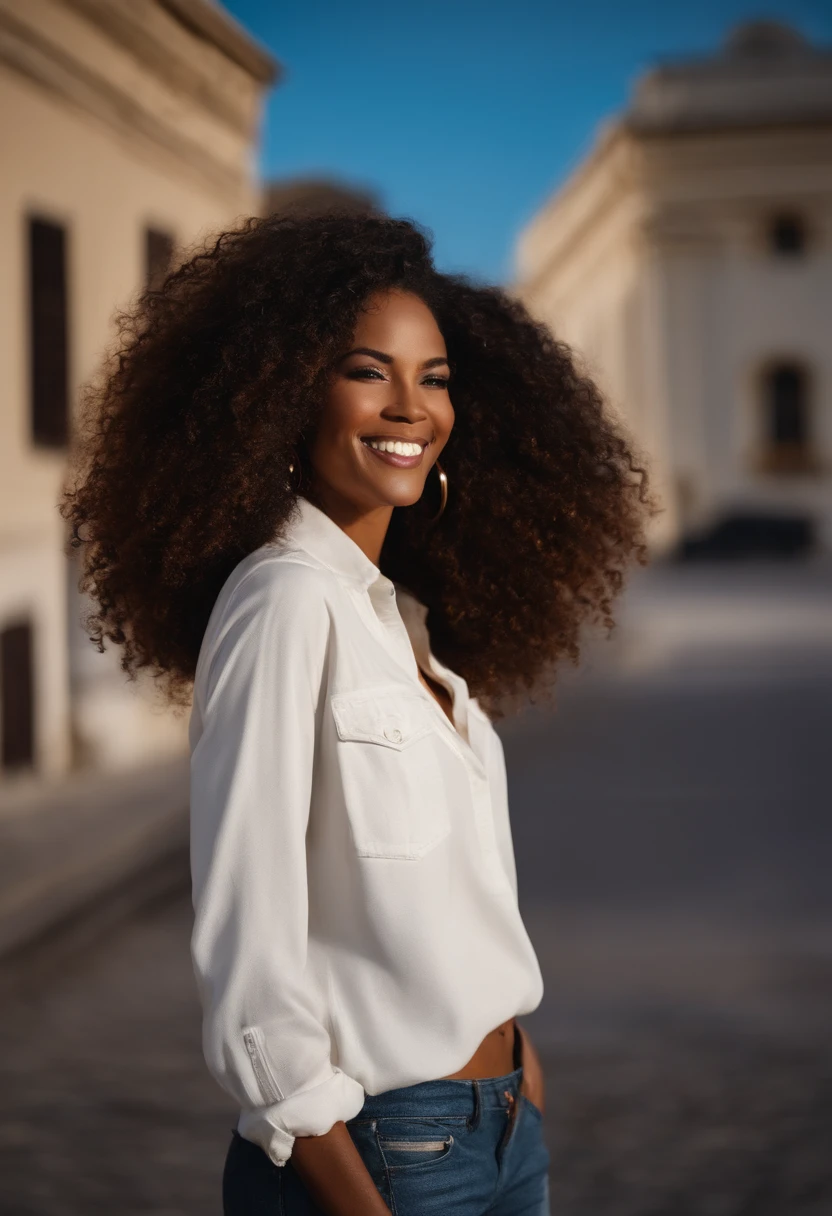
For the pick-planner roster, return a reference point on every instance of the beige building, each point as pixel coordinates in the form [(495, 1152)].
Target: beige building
[(127, 131), (306, 195), (689, 260)]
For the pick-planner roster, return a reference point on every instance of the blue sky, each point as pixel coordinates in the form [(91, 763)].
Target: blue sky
[(465, 115)]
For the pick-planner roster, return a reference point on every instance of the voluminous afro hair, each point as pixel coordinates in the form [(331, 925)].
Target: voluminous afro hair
[(184, 442)]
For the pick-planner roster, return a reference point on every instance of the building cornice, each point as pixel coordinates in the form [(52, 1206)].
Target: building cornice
[(218, 27), (163, 109), (660, 163), (595, 188), (129, 28), (699, 126), (765, 126)]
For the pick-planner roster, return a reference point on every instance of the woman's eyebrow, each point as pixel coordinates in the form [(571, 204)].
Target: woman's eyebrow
[(367, 350), (385, 358)]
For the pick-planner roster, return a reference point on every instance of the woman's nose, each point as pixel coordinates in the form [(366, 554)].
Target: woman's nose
[(407, 404)]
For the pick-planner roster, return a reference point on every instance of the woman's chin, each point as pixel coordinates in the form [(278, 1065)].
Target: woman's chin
[(401, 493), (406, 500)]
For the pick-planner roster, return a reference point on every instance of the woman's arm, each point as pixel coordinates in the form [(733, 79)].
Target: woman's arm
[(532, 1085), (266, 1037), (334, 1173)]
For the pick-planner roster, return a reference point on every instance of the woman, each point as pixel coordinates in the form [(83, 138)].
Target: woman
[(272, 531)]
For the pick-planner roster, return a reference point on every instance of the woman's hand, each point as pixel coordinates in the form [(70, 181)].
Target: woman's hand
[(334, 1173), (532, 1083)]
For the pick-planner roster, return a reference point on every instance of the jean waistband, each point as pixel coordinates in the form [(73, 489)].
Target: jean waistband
[(448, 1096), (445, 1096)]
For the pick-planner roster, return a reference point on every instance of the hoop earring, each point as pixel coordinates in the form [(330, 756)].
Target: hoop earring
[(294, 463), (443, 489)]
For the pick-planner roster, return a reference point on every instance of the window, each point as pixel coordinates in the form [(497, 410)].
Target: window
[(786, 425), (787, 235), (158, 255), (17, 696), (48, 336), (787, 408)]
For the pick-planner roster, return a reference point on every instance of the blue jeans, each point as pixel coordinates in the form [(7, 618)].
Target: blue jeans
[(440, 1148)]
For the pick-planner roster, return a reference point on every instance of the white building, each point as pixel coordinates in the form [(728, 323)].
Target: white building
[(689, 260), (127, 130)]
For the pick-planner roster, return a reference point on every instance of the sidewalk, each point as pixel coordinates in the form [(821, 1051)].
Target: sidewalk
[(88, 846)]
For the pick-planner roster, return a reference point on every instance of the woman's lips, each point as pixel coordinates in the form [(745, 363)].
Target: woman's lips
[(400, 462)]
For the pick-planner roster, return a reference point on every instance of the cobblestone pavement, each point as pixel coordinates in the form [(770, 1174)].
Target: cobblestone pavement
[(107, 1106), (673, 836), (703, 1123)]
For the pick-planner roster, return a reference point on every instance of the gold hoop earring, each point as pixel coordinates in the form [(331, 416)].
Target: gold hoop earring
[(443, 489), (294, 463)]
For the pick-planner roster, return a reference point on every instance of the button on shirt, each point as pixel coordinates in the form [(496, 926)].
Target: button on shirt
[(356, 923)]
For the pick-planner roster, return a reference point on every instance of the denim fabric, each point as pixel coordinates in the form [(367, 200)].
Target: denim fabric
[(441, 1148)]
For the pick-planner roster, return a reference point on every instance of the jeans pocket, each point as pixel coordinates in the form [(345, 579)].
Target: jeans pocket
[(407, 1144)]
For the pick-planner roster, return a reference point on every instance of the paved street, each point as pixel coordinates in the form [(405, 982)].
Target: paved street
[(673, 831)]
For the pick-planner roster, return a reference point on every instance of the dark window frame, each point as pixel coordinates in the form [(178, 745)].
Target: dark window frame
[(788, 236), (17, 694), (159, 245), (47, 245), (785, 403)]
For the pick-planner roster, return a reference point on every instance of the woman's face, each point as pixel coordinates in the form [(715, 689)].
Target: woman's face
[(390, 387)]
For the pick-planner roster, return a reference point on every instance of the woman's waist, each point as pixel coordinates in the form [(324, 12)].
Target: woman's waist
[(497, 1055), (457, 1095)]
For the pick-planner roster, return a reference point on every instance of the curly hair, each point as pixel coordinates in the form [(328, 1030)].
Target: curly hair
[(218, 376)]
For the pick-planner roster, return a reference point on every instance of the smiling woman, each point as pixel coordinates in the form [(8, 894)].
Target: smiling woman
[(387, 411), (181, 458), (264, 533)]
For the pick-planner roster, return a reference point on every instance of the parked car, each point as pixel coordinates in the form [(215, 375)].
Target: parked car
[(748, 535)]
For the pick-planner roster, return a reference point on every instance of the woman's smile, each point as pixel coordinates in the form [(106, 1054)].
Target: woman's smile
[(403, 453), (386, 412)]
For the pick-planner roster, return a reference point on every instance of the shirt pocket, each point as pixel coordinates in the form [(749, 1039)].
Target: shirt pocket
[(391, 765)]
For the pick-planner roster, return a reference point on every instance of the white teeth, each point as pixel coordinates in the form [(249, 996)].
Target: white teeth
[(396, 446)]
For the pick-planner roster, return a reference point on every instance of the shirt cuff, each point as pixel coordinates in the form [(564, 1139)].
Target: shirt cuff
[(311, 1112)]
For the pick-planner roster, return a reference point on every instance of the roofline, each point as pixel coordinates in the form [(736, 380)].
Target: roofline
[(212, 22), (704, 126), (608, 134)]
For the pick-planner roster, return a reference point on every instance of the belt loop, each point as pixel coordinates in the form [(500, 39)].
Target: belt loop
[(474, 1119)]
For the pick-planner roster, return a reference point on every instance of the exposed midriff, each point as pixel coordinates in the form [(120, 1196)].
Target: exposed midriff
[(493, 1058)]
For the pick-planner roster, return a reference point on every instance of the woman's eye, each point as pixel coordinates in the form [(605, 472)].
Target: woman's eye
[(361, 373), (373, 373)]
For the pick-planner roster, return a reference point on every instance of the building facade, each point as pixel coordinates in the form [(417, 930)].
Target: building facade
[(128, 132), (689, 262)]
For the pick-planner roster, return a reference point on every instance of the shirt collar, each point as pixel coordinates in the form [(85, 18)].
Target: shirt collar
[(312, 530)]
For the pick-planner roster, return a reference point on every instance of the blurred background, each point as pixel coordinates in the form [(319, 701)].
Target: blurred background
[(655, 182)]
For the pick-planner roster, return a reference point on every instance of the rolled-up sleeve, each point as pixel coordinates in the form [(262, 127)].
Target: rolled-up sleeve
[(257, 697)]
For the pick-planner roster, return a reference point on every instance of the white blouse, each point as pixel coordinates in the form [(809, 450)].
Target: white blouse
[(356, 922)]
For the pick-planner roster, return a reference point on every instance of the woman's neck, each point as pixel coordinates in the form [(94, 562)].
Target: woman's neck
[(367, 528)]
